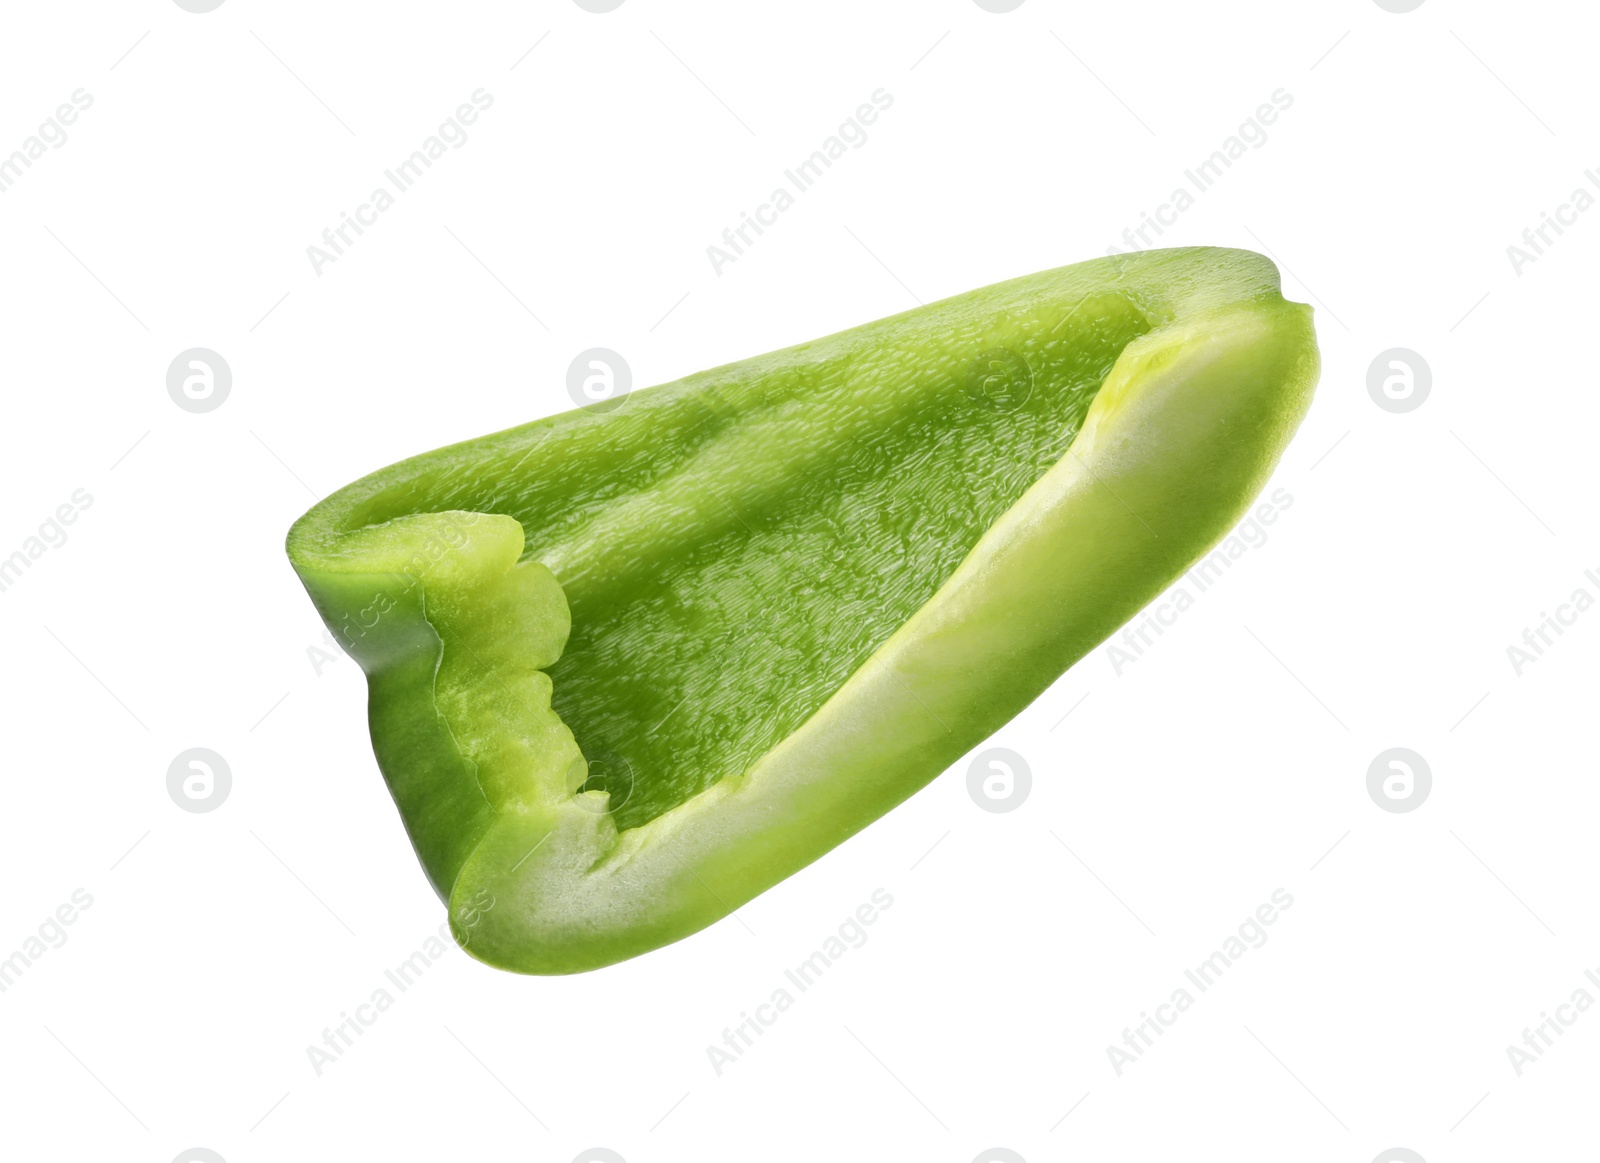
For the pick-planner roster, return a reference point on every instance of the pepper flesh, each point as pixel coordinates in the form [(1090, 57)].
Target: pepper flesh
[(628, 670)]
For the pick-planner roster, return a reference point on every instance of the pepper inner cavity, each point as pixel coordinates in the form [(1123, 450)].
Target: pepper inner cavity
[(775, 547)]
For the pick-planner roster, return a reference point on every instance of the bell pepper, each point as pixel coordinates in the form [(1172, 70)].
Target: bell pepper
[(629, 669)]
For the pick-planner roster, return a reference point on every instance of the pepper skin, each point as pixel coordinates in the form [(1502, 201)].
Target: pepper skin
[(628, 670)]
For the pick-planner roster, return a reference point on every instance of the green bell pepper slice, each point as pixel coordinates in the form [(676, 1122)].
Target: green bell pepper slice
[(627, 670)]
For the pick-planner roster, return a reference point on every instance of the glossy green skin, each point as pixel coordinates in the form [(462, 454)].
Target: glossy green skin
[(770, 601)]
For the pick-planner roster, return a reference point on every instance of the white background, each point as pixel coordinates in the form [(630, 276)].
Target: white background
[(1227, 762)]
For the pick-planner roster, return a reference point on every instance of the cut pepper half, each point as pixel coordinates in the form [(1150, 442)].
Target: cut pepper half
[(629, 669)]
